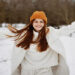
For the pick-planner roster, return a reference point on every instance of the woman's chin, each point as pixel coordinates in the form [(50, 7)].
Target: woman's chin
[(37, 29)]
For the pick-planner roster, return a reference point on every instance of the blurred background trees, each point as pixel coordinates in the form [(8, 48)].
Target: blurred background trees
[(59, 12)]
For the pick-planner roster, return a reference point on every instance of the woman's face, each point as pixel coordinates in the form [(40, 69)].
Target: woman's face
[(38, 24)]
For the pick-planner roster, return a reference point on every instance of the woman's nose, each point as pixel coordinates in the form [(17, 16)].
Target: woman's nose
[(39, 23)]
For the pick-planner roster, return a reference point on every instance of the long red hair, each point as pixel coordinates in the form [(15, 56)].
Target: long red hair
[(24, 37)]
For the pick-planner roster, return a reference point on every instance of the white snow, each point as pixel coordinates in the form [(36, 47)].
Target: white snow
[(5, 56), (69, 45)]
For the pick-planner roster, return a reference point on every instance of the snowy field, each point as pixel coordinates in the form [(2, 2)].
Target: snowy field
[(5, 56), (69, 45), (6, 46)]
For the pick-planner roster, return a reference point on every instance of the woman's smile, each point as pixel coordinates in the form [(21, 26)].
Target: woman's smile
[(38, 24)]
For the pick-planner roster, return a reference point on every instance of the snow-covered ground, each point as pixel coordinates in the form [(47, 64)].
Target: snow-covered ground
[(6, 46), (69, 45), (5, 56)]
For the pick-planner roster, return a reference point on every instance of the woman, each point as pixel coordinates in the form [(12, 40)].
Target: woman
[(37, 49)]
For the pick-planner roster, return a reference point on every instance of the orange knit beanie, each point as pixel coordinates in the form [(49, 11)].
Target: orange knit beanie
[(39, 15)]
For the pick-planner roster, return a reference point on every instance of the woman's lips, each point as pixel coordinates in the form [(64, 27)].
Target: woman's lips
[(38, 26)]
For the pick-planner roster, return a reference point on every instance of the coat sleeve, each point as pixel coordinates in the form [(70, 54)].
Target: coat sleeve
[(65, 30), (17, 71), (55, 43), (16, 59), (62, 68)]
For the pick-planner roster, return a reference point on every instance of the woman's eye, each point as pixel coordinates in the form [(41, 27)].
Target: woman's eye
[(36, 22), (41, 21)]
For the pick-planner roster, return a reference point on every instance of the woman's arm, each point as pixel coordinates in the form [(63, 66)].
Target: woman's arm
[(17, 71), (62, 68), (17, 56), (64, 31)]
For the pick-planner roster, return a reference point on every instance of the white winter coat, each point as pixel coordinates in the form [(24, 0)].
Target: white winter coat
[(54, 42)]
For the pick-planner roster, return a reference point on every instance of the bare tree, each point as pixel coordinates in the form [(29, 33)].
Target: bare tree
[(3, 6)]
